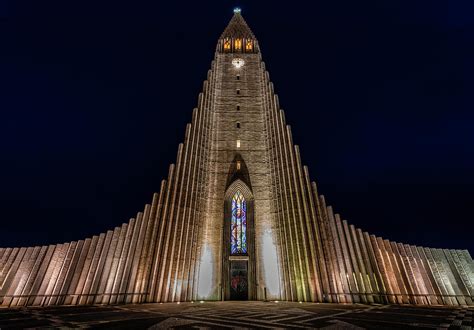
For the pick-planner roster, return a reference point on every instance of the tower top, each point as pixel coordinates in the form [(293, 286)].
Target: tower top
[(237, 36), (237, 27)]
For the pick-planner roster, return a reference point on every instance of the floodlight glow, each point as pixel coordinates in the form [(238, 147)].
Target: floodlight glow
[(270, 265), (205, 273)]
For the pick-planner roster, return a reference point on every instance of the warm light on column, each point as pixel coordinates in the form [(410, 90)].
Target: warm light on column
[(270, 266), (205, 273)]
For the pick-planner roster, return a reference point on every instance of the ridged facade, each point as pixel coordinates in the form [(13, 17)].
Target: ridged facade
[(177, 248)]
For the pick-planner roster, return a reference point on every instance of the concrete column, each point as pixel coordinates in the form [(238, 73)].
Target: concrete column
[(76, 275), (34, 274)]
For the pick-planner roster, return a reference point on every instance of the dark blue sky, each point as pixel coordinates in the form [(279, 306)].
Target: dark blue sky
[(94, 98)]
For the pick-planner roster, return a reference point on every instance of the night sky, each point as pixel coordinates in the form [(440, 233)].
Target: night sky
[(94, 99)]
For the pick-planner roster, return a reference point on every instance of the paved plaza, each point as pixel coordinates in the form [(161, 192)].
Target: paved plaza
[(218, 315)]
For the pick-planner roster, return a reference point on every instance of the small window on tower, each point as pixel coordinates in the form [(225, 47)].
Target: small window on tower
[(226, 44), (238, 143), (238, 91), (238, 125), (238, 44), (248, 45), (238, 77), (238, 165), (238, 107)]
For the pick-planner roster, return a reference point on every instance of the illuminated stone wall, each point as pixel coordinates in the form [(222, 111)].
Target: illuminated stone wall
[(173, 249)]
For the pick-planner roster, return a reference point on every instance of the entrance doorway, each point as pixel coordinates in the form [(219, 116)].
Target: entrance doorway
[(238, 257), (239, 288)]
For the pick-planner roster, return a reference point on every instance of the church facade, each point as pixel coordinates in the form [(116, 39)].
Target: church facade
[(238, 218)]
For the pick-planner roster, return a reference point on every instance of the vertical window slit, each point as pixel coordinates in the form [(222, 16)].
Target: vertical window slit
[(238, 225)]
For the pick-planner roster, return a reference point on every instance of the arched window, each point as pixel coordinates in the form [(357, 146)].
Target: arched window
[(238, 225)]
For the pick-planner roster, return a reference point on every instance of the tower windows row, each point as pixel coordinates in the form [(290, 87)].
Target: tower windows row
[(238, 45)]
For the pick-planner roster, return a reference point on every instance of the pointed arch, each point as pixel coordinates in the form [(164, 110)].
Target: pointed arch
[(239, 201), (238, 225), (239, 241), (238, 171), (238, 185)]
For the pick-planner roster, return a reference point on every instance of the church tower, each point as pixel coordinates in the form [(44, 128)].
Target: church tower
[(238, 218), (240, 225)]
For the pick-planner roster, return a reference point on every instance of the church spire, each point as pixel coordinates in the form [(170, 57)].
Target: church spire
[(237, 36)]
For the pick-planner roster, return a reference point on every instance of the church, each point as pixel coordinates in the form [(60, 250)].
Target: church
[(237, 218)]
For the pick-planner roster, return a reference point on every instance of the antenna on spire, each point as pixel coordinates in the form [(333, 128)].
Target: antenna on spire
[(237, 10)]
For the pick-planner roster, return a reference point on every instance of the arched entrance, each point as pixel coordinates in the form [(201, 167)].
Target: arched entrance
[(238, 242)]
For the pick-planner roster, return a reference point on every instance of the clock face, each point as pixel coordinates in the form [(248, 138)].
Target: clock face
[(238, 62)]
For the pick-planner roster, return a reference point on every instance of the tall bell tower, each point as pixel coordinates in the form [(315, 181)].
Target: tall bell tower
[(239, 165)]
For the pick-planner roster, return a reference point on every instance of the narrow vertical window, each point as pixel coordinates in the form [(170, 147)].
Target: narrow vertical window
[(238, 44), (238, 107), (238, 225), (238, 165), (238, 77), (238, 91), (238, 143), (226, 44), (248, 45), (238, 125)]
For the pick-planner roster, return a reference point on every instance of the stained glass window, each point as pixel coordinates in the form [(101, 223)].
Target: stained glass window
[(238, 225)]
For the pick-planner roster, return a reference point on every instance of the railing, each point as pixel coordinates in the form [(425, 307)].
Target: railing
[(399, 296), (72, 295)]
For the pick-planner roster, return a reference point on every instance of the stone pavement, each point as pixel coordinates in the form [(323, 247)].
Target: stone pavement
[(218, 315)]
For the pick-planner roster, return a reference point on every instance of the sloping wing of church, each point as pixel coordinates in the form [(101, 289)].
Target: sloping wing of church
[(238, 218)]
